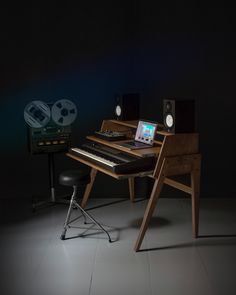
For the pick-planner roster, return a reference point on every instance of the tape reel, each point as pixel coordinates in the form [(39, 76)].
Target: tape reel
[(37, 114), (64, 112)]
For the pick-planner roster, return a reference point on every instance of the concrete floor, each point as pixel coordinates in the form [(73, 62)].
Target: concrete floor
[(35, 261)]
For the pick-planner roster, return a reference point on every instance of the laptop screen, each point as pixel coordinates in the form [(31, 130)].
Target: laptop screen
[(145, 132)]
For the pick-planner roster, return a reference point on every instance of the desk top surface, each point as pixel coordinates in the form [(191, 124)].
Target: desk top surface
[(115, 144), (134, 124)]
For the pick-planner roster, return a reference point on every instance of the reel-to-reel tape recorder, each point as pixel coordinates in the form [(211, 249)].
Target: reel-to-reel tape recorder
[(49, 125)]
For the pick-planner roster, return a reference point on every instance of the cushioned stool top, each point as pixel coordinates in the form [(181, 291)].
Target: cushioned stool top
[(74, 177)]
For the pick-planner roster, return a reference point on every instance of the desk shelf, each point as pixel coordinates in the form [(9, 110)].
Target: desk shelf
[(115, 144)]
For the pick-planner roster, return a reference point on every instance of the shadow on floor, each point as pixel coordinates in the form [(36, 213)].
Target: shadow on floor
[(202, 241)]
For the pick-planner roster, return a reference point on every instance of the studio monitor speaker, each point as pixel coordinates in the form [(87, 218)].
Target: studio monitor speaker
[(179, 115), (127, 107)]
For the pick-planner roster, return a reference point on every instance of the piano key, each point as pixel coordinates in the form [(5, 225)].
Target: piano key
[(111, 159), (94, 157)]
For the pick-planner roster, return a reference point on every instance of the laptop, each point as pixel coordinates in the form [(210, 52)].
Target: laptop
[(144, 137)]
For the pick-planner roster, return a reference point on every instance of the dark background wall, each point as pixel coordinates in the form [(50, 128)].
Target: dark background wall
[(90, 52)]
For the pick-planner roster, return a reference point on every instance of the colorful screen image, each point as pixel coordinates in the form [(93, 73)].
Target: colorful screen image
[(146, 132)]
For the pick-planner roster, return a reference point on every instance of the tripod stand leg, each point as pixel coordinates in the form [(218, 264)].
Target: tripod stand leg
[(51, 175), (52, 200)]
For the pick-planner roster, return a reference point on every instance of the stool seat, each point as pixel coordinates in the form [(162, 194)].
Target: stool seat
[(74, 178)]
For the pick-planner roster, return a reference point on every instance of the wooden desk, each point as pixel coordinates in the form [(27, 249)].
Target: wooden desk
[(177, 154)]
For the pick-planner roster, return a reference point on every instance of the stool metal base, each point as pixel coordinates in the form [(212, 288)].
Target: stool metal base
[(74, 204)]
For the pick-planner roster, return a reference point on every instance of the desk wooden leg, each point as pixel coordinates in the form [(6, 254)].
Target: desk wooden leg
[(88, 189), (149, 209), (131, 188), (195, 184)]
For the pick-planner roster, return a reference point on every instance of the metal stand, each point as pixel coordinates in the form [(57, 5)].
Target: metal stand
[(52, 200), (85, 214)]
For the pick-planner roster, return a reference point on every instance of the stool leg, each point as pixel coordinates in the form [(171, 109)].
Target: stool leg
[(85, 214), (65, 227), (85, 218), (93, 220)]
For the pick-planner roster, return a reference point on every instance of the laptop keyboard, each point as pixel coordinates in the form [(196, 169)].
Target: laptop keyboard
[(135, 144)]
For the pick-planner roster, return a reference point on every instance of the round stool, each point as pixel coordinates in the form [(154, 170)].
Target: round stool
[(76, 179)]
